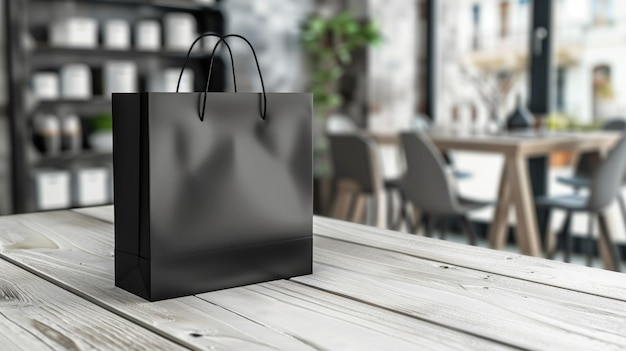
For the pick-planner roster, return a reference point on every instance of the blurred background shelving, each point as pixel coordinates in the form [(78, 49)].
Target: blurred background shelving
[(33, 50)]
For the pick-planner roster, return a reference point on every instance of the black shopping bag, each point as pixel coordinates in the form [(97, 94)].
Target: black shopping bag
[(212, 190)]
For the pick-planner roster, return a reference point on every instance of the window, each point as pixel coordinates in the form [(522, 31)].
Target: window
[(482, 61), (601, 10), (589, 48)]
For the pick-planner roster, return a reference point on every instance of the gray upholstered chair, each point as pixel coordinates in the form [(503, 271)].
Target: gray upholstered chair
[(430, 185), (604, 187), (588, 161), (420, 124), (581, 179), (342, 125), (357, 174)]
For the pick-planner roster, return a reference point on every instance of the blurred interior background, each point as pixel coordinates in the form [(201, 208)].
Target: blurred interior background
[(376, 67)]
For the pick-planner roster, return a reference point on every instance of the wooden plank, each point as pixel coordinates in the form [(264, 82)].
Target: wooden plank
[(37, 315), (297, 312), (76, 252), (240, 308), (584, 279), (445, 144), (516, 312), (104, 213), (577, 141), (554, 273), (331, 322)]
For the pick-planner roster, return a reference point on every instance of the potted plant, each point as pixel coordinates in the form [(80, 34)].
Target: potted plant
[(561, 122), (330, 44)]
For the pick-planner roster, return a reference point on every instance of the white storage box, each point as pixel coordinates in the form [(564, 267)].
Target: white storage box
[(91, 186), (166, 81), (119, 77), (52, 189), (74, 32), (180, 31), (45, 85), (148, 35), (76, 82), (117, 35)]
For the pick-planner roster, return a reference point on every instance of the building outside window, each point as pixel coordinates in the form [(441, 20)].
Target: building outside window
[(483, 60)]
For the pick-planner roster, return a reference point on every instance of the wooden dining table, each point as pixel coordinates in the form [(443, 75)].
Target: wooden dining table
[(371, 289), (515, 188)]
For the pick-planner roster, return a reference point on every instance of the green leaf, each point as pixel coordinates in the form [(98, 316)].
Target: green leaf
[(316, 26), (344, 55), (334, 100), (335, 73)]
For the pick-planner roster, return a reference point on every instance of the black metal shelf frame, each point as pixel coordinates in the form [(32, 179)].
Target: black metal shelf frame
[(186, 5), (131, 53), (63, 159)]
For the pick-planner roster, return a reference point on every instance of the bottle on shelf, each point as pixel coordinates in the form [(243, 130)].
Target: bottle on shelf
[(47, 134), (71, 134)]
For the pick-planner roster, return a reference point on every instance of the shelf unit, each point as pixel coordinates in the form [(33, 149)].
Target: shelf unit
[(170, 4), (112, 53), (28, 52)]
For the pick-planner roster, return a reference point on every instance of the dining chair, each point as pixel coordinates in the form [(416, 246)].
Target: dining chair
[(341, 124), (430, 185), (588, 161), (581, 179), (604, 187), (420, 123), (357, 174)]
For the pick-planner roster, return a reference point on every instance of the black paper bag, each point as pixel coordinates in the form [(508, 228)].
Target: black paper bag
[(212, 190)]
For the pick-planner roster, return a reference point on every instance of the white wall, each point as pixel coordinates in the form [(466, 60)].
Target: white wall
[(577, 94), (391, 66), (595, 46), (579, 80), (277, 45)]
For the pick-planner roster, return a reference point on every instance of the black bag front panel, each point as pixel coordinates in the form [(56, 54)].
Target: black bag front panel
[(213, 204), (231, 180)]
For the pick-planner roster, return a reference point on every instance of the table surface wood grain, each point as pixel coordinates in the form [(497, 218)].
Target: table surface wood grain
[(371, 289)]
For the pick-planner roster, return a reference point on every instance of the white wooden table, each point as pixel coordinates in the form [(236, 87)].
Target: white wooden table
[(371, 289)]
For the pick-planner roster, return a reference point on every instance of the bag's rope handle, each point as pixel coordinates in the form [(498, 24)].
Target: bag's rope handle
[(206, 89), (209, 34)]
